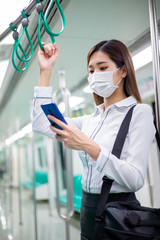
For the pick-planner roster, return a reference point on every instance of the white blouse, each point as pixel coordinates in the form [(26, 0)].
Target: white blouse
[(129, 171)]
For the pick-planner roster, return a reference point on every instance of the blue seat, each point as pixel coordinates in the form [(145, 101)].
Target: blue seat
[(77, 188), (41, 178)]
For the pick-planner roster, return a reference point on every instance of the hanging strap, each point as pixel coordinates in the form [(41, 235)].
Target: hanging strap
[(18, 46), (15, 37), (25, 23), (39, 8), (43, 19), (47, 28)]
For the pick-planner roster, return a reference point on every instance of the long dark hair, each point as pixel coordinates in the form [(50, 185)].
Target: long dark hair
[(121, 56)]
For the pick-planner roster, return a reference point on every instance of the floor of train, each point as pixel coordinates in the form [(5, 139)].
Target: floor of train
[(48, 228)]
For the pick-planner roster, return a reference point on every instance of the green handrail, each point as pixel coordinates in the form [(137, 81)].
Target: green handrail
[(44, 19), (47, 28), (25, 25), (25, 22), (41, 17), (16, 45)]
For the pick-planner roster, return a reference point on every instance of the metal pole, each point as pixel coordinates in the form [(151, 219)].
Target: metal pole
[(48, 147), (34, 187), (16, 23), (11, 190), (11, 178), (34, 177), (10, 220), (63, 95), (5, 192), (19, 174), (155, 56), (156, 70), (19, 183)]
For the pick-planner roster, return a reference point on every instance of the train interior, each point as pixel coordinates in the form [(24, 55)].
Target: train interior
[(29, 206)]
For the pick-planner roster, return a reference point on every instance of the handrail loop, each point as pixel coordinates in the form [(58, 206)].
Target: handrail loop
[(17, 44), (47, 28), (15, 37), (43, 17), (39, 9), (25, 23)]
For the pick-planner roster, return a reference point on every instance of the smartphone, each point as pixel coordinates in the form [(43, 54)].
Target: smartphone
[(52, 109)]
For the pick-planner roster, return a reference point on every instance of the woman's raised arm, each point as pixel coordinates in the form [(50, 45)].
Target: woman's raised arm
[(47, 59)]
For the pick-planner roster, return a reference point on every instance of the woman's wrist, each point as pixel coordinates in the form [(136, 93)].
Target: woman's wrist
[(92, 148), (44, 79)]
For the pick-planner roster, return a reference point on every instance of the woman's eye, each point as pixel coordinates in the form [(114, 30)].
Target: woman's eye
[(103, 68), (91, 71)]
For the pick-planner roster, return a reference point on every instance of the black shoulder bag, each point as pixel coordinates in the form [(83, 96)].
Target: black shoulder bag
[(120, 220)]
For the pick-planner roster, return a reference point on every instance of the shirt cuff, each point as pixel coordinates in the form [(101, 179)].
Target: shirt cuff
[(102, 158), (43, 92)]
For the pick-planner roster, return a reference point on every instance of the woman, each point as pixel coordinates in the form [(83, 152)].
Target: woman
[(112, 80)]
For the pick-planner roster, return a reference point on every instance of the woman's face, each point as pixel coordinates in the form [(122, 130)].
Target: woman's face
[(100, 62)]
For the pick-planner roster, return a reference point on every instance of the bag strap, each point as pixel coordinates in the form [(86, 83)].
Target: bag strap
[(117, 149), (157, 134), (107, 183)]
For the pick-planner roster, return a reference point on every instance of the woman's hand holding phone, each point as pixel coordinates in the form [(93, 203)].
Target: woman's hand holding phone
[(69, 134), (74, 138)]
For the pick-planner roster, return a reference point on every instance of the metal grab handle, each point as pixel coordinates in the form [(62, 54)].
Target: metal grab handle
[(49, 154), (70, 207), (65, 94), (19, 174)]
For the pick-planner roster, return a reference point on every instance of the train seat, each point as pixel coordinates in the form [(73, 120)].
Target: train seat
[(41, 178), (77, 188)]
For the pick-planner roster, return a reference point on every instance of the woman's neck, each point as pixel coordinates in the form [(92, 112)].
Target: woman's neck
[(114, 98)]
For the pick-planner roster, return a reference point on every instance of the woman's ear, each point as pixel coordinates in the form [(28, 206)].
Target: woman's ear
[(123, 71)]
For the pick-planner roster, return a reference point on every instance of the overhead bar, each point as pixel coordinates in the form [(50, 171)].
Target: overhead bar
[(27, 10)]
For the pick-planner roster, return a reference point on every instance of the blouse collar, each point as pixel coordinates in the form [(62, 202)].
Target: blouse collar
[(127, 102)]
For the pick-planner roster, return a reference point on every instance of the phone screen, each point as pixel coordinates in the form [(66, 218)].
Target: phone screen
[(52, 109)]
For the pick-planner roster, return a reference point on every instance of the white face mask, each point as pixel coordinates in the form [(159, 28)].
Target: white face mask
[(102, 83)]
